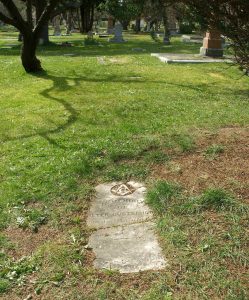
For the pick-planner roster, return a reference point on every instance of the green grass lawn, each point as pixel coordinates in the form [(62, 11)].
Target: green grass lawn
[(106, 114)]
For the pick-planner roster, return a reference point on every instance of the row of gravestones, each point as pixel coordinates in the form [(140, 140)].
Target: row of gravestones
[(212, 42), (118, 34), (117, 31)]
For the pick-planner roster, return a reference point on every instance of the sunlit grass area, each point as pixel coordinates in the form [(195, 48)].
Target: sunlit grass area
[(107, 112)]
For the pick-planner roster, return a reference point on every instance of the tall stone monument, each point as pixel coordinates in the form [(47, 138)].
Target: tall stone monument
[(57, 28), (118, 34), (212, 44)]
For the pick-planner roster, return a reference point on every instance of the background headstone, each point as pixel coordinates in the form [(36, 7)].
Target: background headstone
[(57, 28), (212, 44), (118, 34)]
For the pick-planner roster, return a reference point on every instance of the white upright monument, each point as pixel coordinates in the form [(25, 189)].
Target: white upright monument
[(118, 34)]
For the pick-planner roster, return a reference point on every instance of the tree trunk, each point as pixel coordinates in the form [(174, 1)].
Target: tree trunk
[(30, 62), (87, 17), (69, 23), (78, 19), (44, 36), (125, 24), (19, 37), (138, 25), (166, 38)]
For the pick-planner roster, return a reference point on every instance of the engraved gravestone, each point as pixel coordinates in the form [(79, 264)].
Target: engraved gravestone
[(118, 204), (124, 238)]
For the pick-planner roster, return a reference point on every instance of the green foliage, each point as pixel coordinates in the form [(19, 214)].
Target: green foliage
[(30, 218), (124, 10), (225, 16), (157, 157), (163, 195), (186, 28), (5, 245), (211, 199), (14, 272), (160, 292), (213, 151), (184, 142), (166, 196), (56, 259), (204, 235), (154, 36), (217, 199), (4, 285)]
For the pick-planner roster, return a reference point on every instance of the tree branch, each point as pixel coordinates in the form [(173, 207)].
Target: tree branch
[(7, 20), (45, 16), (19, 22), (29, 13)]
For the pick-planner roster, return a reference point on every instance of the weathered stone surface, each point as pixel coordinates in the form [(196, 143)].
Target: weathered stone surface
[(69, 54), (101, 60), (189, 58), (118, 34), (198, 39), (109, 209), (125, 238), (128, 249), (212, 44)]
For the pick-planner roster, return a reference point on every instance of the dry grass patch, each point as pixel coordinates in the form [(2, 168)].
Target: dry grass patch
[(218, 159)]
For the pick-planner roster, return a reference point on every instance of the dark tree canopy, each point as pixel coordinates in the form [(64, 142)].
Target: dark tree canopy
[(231, 18), (23, 21), (19, 13), (124, 11)]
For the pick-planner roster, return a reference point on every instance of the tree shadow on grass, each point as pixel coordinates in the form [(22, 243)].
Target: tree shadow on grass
[(61, 84), (132, 47)]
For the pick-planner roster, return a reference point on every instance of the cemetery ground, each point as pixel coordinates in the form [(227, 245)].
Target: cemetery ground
[(110, 112)]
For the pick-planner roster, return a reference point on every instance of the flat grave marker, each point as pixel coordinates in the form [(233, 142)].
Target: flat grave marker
[(189, 58), (124, 239)]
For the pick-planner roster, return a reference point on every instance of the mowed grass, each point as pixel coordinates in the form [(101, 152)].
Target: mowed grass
[(105, 114)]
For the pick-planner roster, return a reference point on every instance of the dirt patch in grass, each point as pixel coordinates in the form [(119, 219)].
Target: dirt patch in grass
[(201, 169), (27, 242), (219, 159)]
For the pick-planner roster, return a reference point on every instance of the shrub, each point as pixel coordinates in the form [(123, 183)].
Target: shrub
[(186, 28)]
